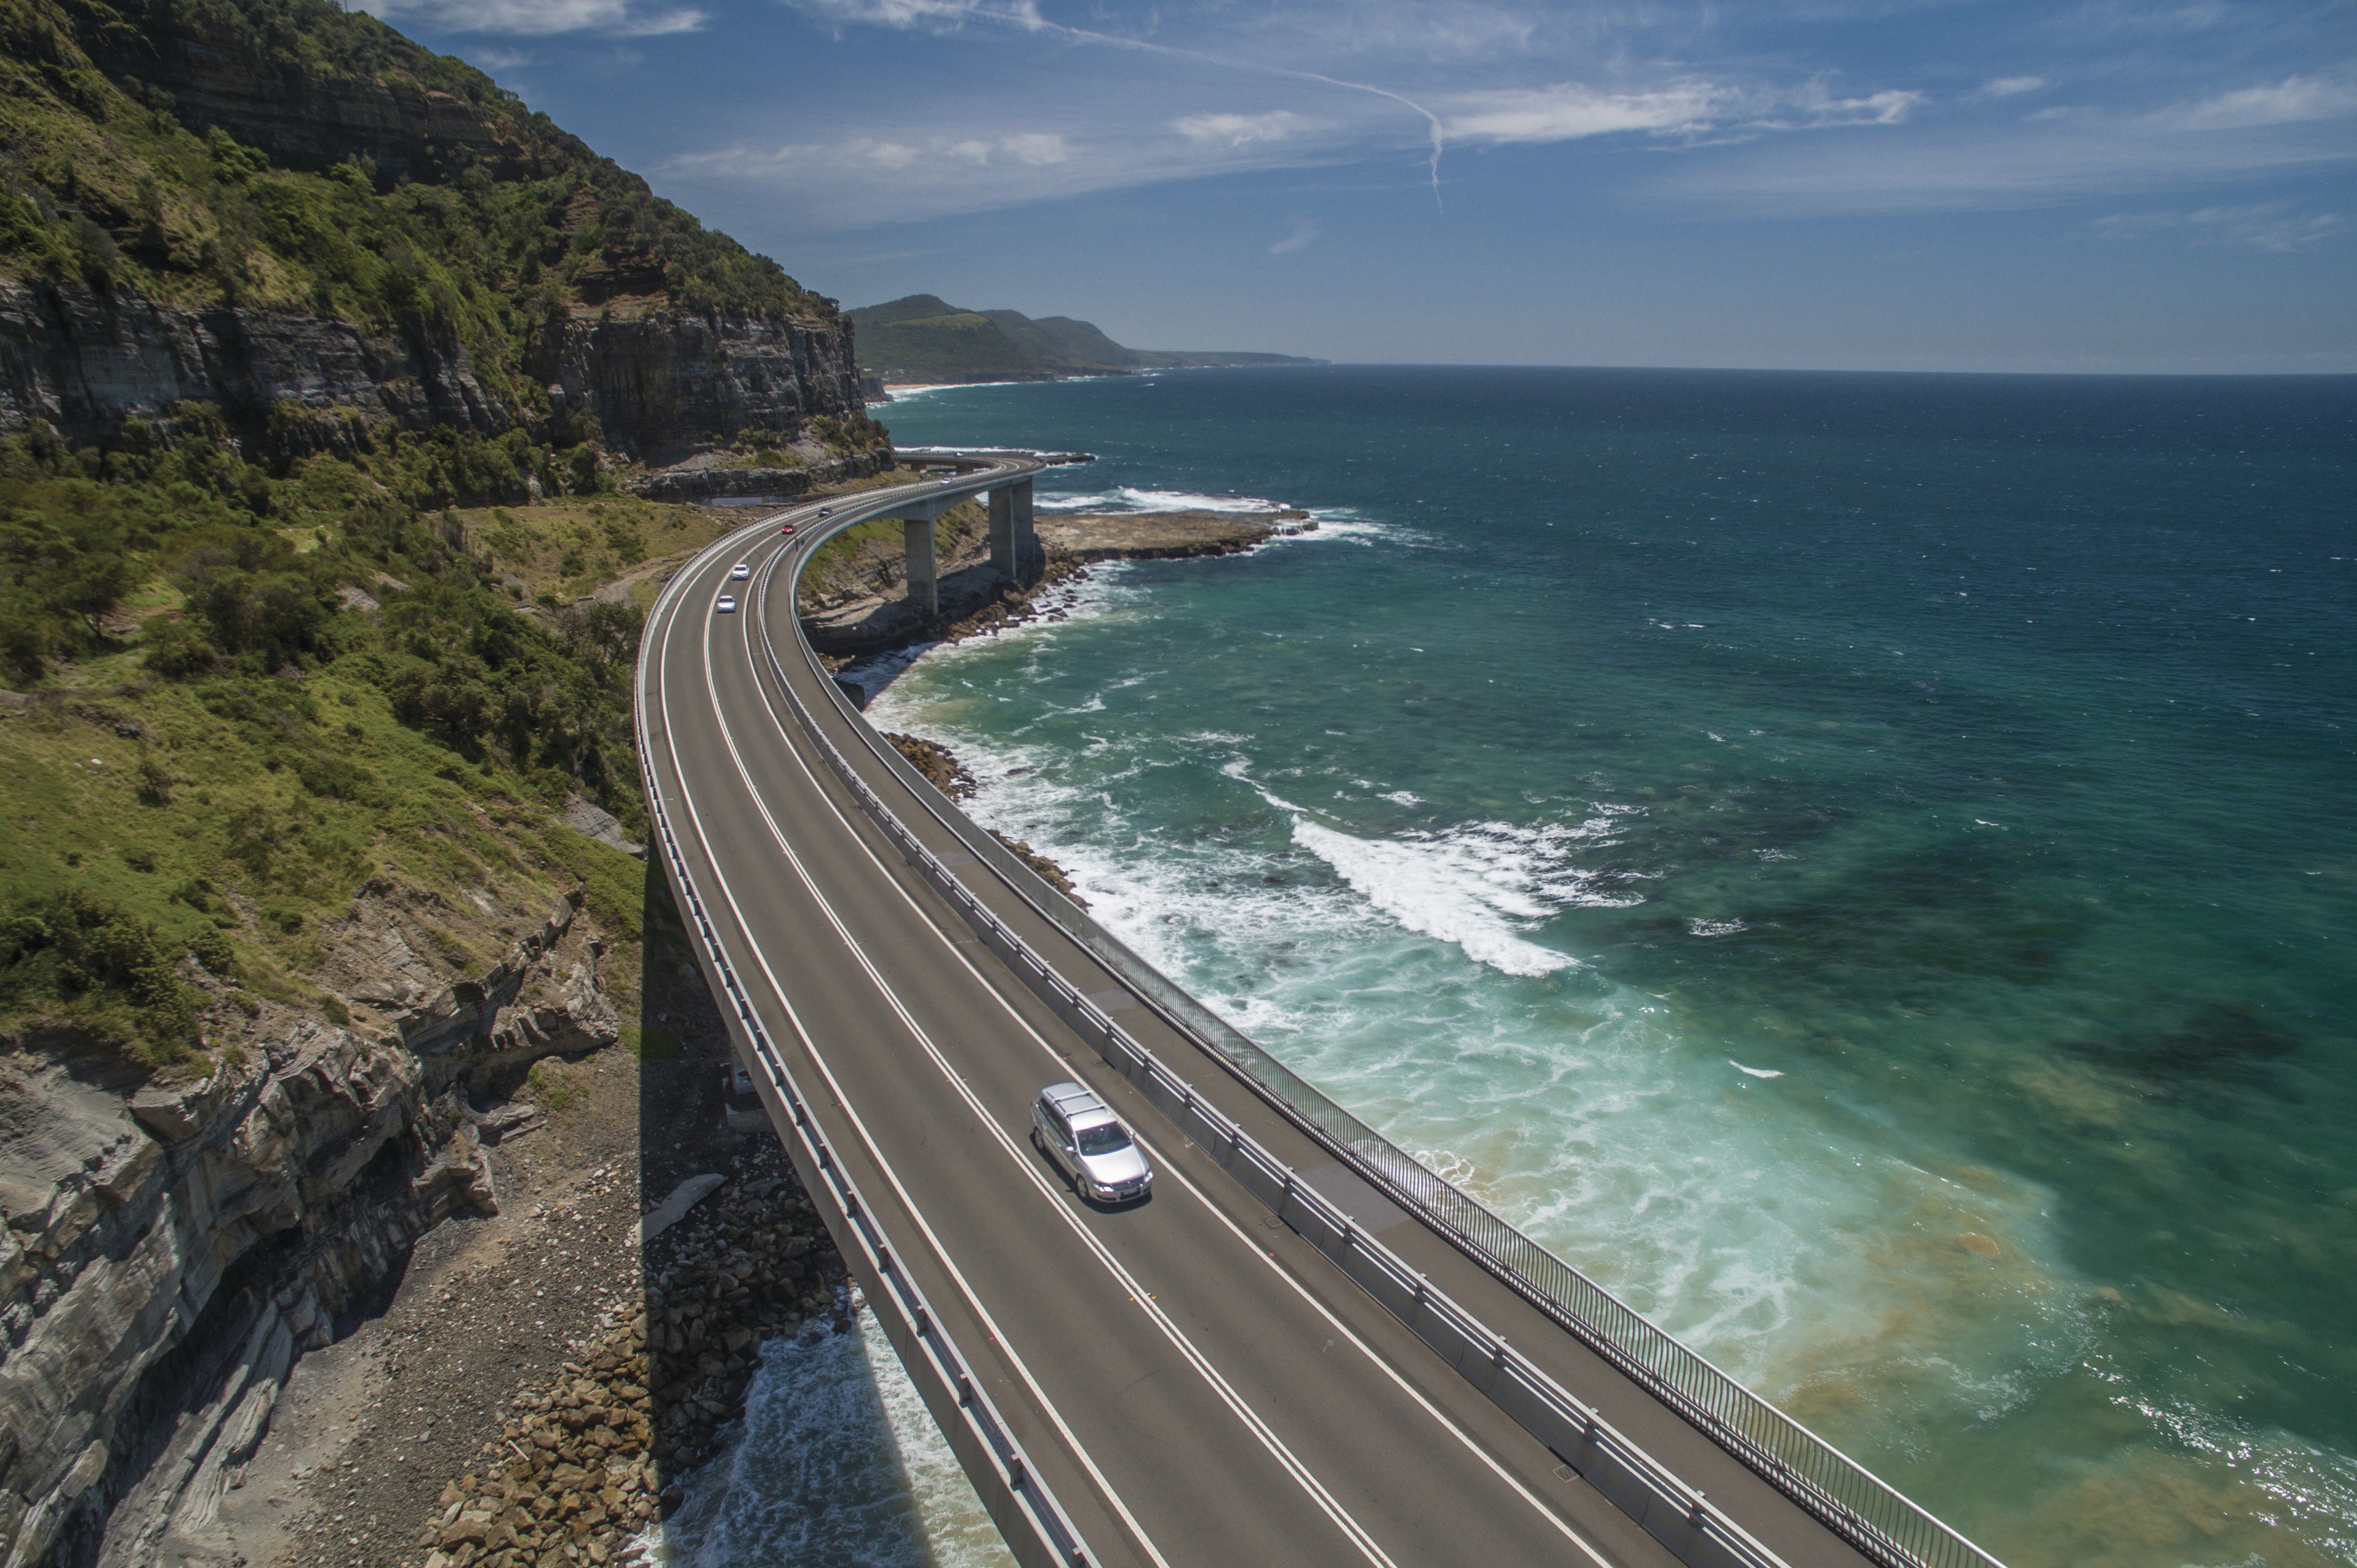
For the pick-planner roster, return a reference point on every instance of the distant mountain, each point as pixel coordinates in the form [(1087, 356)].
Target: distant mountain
[(923, 338)]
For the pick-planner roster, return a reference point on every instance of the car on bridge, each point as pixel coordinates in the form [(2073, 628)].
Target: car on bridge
[(726, 605), (739, 572), (1081, 1137)]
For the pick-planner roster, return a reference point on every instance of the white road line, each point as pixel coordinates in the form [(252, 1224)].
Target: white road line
[(1303, 1477), (769, 573), (966, 1288)]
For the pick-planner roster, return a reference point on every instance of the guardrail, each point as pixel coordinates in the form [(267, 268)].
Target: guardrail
[(1675, 1513), (1035, 1526), (1880, 1521)]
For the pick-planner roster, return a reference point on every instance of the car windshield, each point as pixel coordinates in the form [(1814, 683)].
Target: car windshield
[(1104, 1139)]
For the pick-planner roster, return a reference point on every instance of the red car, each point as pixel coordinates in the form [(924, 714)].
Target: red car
[(786, 531)]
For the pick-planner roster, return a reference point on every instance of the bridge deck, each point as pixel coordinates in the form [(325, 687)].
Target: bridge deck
[(1195, 1383)]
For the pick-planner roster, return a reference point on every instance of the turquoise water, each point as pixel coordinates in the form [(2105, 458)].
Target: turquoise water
[(1865, 865), (837, 1463)]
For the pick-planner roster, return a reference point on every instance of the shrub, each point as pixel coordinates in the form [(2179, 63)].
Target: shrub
[(78, 959)]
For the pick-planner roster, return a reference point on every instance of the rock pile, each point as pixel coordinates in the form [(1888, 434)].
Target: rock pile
[(589, 1459), (579, 1479), (940, 766), (755, 1266)]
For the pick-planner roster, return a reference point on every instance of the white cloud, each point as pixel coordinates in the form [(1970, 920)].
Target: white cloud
[(1568, 111), (2289, 101), (686, 20), (1239, 130), (539, 18), (2011, 86), (871, 152), (1038, 148), (1891, 107), (1305, 230), (2026, 166), (934, 16), (2268, 226)]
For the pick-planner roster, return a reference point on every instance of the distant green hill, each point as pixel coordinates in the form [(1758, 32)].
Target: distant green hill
[(923, 338)]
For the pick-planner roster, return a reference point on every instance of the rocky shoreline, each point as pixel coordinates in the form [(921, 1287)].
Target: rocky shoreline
[(858, 609), (944, 771), (590, 1458), (1073, 542), (418, 1310)]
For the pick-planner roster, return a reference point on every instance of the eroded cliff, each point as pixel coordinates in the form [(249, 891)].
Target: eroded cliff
[(272, 202), (169, 1249)]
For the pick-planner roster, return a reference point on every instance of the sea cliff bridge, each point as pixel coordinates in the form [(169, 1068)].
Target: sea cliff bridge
[(1307, 1348)]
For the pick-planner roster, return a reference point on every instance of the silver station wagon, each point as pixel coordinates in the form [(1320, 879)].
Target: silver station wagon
[(1087, 1141)]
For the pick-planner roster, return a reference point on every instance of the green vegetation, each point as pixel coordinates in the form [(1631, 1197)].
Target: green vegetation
[(859, 557), (254, 690), (474, 228), (924, 338), (269, 661)]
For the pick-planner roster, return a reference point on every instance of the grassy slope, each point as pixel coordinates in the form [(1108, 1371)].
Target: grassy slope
[(219, 742), (942, 346), (243, 804)]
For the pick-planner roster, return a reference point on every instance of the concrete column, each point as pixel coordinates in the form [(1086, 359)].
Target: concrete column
[(1030, 561), (924, 591), (1002, 533)]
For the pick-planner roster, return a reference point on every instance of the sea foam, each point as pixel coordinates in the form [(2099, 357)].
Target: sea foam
[(836, 1461)]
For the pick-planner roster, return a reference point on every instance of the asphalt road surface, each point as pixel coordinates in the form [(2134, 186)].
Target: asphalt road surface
[(1196, 1385)]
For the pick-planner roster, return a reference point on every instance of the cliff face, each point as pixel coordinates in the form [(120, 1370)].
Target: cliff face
[(253, 204), (674, 381), (244, 202), (167, 1252), (86, 363), (670, 382), (252, 76)]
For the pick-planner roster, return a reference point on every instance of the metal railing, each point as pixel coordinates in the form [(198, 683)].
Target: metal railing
[(1027, 1514), (1858, 1505)]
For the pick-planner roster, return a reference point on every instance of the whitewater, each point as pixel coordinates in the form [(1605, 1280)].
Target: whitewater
[(1863, 865)]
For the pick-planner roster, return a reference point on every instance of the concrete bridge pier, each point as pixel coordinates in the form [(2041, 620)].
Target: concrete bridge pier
[(924, 586), (917, 517), (1014, 540)]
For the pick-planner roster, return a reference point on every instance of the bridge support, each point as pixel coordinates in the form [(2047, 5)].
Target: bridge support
[(1014, 540), (924, 587)]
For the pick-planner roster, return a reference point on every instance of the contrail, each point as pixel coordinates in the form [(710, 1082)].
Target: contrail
[(1431, 120), (1030, 21)]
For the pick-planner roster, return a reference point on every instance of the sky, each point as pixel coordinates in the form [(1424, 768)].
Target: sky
[(2079, 186)]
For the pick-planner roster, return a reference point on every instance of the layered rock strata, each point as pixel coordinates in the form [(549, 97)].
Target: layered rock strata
[(87, 363), (711, 477), (169, 1250), (659, 385)]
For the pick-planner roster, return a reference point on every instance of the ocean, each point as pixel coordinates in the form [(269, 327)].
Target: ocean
[(1865, 865)]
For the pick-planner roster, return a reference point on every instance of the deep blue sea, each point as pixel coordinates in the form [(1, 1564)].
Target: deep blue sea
[(1866, 866)]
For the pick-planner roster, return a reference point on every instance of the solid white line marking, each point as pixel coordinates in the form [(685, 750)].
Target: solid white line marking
[(1301, 1474), (966, 1288), (769, 573)]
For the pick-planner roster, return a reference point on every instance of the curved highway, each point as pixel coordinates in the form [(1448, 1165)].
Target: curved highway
[(1192, 1382)]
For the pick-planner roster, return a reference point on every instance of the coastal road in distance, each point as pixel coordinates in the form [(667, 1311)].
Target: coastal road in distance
[(1192, 1382)]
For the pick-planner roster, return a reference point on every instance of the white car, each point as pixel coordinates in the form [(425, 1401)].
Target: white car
[(1084, 1140), (739, 572), (726, 605)]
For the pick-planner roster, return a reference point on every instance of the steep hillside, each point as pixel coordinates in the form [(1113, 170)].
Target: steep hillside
[(924, 338), (332, 388), (294, 213)]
